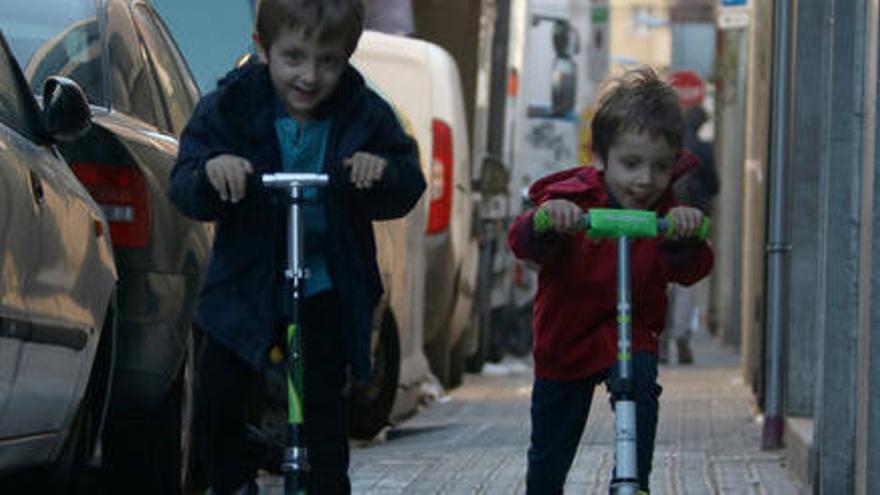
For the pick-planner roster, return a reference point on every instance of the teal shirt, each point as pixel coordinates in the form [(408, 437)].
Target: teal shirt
[(303, 148)]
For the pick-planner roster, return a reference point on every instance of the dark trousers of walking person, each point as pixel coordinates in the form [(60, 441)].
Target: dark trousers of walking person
[(559, 414), (225, 388)]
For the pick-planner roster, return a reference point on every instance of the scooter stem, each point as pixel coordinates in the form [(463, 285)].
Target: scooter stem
[(295, 465)]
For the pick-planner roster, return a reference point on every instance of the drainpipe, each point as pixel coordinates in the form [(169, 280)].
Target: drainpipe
[(778, 243)]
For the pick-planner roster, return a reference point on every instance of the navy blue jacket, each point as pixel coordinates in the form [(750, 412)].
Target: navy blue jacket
[(238, 304)]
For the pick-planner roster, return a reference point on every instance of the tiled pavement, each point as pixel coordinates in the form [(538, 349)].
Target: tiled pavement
[(474, 440)]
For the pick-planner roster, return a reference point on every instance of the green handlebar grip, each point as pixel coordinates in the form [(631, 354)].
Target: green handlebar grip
[(609, 223), (702, 234), (541, 221)]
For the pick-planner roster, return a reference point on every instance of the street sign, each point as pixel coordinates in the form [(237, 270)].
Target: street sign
[(733, 14), (689, 86), (733, 19)]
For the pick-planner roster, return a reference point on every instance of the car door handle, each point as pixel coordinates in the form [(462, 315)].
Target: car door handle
[(37, 188)]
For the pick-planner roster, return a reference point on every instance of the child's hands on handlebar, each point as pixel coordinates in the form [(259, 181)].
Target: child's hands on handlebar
[(366, 169), (687, 222), (564, 215), (228, 176)]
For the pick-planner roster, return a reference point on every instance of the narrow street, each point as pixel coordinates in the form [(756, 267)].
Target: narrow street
[(475, 439)]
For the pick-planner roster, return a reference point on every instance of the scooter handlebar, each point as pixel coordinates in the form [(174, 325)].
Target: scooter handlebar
[(609, 223), (285, 180)]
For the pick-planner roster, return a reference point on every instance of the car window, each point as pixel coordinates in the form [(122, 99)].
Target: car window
[(132, 87), (56, 37), (210, 48), (173, 78), (16, 104)]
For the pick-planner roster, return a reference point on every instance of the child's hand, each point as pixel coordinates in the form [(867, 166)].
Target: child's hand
[(565, 215), (228, 175), (687, 221), (366, 169)]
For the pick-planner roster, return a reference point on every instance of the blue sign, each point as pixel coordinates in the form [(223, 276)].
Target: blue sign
[(734, 3)]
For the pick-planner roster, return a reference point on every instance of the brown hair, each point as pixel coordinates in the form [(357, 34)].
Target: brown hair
[(328, 19), (638, 101)]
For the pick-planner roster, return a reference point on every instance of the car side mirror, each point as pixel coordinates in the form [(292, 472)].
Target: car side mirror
[(66, 112), (494, 177)]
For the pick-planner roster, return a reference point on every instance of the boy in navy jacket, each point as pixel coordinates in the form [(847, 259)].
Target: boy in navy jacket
[(302, 108)]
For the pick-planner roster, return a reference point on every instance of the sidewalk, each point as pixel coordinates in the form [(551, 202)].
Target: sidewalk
[(475, 440)]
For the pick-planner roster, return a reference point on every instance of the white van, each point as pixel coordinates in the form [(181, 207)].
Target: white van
[(422, 80)]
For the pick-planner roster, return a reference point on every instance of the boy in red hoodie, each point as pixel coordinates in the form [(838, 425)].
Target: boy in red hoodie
[(637, 135)]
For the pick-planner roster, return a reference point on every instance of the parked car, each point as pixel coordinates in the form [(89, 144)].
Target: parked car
[(141, 95), (57, 284), (422, 80)]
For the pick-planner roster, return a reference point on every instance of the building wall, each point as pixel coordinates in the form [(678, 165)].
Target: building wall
[(754, 204), (640, 33)]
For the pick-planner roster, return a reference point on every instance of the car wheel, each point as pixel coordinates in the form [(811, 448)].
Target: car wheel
[(193, 476), (151, 452), (371, 402)]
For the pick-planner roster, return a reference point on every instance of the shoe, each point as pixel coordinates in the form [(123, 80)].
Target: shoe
[(685, 356)]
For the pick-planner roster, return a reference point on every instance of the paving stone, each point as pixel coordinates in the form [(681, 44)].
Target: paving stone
[(475, 443)]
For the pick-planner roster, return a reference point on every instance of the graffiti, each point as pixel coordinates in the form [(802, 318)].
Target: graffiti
[(545, 135)]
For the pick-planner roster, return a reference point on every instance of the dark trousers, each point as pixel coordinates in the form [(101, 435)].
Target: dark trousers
[(226, 388), (559, 414)]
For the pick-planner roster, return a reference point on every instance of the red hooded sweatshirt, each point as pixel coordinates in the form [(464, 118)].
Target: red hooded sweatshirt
[(575, 311)]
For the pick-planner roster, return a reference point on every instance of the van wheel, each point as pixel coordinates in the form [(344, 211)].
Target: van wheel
[(457, 364), (475, 362), (438, 353), (371, 402), (482, 316)]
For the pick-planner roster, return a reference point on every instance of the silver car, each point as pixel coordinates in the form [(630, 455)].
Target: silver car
[(57, 283)]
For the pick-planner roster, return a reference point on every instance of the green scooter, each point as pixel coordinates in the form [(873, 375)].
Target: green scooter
[(295, 465), (624, 225)]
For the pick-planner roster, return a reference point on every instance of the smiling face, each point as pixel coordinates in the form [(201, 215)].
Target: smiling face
[(304, 70), (639, 168)]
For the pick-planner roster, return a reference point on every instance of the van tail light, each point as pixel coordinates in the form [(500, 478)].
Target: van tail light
[(122, 193), (440, 186)]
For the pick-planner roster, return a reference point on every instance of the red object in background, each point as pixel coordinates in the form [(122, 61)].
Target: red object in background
[(690, 87)]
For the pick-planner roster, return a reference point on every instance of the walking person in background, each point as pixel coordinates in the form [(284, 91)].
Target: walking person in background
[(301, 108), (637, 140), (696, 188)]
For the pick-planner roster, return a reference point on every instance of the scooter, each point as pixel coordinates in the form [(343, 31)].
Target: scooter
[(625, 226), (295, 465)]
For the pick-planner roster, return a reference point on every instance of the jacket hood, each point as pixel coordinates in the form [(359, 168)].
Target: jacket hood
[(249, 87), (587, 183)]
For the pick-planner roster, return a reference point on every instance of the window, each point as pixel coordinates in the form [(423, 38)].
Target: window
[(16, 105), (642, 19), (132, 87), (175, 83), (56, 37)]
